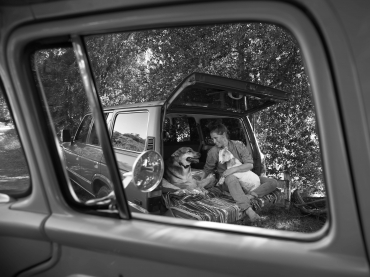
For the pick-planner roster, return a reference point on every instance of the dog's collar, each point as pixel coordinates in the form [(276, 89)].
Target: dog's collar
[(184, 166)]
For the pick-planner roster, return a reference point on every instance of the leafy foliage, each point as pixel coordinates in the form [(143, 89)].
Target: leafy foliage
[(62, 85), (147, 65)]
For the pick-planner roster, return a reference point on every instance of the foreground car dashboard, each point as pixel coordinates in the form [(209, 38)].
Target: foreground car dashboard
[(46, 230)]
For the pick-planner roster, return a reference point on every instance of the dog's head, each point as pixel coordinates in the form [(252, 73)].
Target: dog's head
[(224, 155), (186, 156)]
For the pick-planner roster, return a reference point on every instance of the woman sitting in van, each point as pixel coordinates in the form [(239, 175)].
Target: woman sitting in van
[(219, 135)]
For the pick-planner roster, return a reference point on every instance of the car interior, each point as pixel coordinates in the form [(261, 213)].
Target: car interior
[(190, 130)]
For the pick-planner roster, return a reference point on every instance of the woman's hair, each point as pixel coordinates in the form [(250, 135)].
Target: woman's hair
[(219, 129)]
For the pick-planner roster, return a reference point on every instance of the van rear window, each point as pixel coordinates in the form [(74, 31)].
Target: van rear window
[(129, 131), (234, 125)]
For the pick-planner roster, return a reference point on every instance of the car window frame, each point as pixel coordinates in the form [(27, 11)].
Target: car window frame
[(317, 234), (80, 128), (89, 138), (240, 246), (275, 19), (85, 68), (67, 189)]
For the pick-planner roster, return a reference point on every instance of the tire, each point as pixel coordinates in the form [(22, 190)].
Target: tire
[(103, 191)]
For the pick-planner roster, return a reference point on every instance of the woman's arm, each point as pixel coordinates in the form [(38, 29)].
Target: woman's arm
[(212, 158), (203, 175), (240, 168)]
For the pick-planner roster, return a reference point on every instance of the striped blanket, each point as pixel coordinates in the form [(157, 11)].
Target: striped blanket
[(216, 206)]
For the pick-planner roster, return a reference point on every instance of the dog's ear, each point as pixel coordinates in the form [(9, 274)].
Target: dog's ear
[(177, 153)]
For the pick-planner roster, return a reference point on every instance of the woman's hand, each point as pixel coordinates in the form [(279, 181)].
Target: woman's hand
[(229, 171)]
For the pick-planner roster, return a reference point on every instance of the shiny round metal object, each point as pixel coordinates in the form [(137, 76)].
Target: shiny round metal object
[(148, 171)]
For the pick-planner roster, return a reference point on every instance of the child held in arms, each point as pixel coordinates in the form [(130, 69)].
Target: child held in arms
[(219, 135)]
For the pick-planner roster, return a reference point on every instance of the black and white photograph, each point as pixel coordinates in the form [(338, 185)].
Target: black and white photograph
[(184, 138)]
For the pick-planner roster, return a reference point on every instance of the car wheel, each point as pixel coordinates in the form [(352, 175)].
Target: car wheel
[(103, 191)]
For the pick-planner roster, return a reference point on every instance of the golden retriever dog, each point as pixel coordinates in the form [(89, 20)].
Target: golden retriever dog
[(248, 180), (177, 173)]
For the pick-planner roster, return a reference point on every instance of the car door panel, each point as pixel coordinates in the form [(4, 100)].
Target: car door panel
[(71, 156), (89, 164), (80, 148), (80, 260), (180, 245), (22, 242), (350, 66), (226, 254), (125, 160), (23, 251)]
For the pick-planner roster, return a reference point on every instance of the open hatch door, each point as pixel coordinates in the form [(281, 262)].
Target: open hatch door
[(212, 93)]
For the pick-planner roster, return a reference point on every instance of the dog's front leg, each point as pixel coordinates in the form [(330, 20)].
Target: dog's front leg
[(208, 182)]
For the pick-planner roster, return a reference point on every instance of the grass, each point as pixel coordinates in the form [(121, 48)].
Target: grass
[(291, 219)]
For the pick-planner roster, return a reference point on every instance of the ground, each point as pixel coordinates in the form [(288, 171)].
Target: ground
[(288, 219)]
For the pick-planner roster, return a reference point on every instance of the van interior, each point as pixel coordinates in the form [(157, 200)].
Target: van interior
[(191, 130)]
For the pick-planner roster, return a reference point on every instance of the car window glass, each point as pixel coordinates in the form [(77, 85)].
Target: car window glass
[(93, 138), (234, 126), (14, 173), (143, 66), (59, 78), (284, 139), (83, 130), (129, 131), (182, 129)]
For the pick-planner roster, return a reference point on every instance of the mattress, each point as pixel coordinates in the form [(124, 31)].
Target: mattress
[(215, 205)]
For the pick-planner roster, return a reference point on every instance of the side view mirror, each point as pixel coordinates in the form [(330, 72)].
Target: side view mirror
[(147, 173), (66, 135)]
